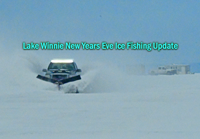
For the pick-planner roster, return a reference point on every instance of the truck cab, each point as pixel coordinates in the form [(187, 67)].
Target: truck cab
[(61, 69)]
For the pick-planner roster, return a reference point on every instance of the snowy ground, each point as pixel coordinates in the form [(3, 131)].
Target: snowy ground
[(109, 106)]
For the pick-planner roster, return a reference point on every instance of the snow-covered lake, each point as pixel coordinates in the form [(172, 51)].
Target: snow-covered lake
[(111, 105)]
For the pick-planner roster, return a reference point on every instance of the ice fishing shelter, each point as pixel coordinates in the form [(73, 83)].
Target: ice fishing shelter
[(180, 69)]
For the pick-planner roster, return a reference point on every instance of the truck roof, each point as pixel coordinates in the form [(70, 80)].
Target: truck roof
[(62, 60)]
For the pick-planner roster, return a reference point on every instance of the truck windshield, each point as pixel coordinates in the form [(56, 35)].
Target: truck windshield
[(65, 66)]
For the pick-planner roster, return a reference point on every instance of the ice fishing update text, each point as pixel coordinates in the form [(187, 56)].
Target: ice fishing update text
[(97, 46)]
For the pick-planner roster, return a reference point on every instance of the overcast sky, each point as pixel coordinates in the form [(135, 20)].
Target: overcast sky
[(103, 20)]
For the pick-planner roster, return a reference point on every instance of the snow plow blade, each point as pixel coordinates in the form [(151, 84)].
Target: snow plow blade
[(71, 79), (46, 79), (60, 82)]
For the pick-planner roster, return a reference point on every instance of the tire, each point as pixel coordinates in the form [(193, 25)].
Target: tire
[(77, 90)]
